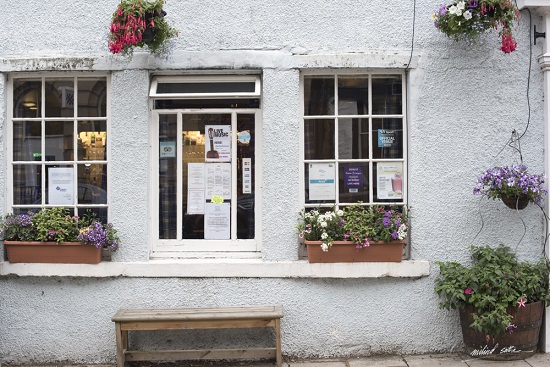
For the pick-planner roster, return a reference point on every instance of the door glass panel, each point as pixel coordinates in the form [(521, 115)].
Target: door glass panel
[(168, 159), (246, 138)]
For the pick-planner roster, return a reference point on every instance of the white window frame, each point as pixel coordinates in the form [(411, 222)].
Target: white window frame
[(9, 153), (204, 248), (369, 116)]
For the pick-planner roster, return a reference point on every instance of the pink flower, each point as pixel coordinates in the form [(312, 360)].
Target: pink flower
[(521, 303), (508, 43), (468, 290)]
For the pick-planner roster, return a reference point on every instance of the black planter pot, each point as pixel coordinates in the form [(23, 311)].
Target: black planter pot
[(149, 33), (516, 202)]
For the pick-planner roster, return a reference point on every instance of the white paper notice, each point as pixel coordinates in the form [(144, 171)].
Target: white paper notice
[(390, 180), (195, 201), (195, 176), (217, 221), (322, 183), (60, 186), (218, 143), (247, 175), (218, 180)]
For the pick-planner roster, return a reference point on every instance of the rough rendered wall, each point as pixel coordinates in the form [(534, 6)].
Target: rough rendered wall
[(463, 103)]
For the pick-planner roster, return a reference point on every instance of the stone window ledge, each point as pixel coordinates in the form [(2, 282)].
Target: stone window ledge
[(222, 268)]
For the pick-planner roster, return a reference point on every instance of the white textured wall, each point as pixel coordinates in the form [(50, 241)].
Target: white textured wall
[(463, 104)]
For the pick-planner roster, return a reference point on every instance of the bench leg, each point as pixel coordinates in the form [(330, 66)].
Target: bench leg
[(279, 356), (121, 344)]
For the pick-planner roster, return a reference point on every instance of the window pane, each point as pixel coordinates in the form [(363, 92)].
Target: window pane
[(27, 184), (221, 87), (319, 139), (59, 98), (354, 182), (100, 213), (388, 181), (92, 184), (168, 177), (207, 103), (328, 190), (353, 138), (353, 95), (387, 95), (53, 195), (318, 96), (27, 141), (59, 141), (27, 98), (92, 97), (246, 137), (92, 140), (387, 138)]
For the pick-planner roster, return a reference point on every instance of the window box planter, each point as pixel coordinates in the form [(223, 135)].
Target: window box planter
[(52, 252), (346, 251)]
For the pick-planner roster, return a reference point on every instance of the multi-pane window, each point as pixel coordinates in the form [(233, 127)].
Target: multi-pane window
[(354, 135), (206, 133), (58, 150)]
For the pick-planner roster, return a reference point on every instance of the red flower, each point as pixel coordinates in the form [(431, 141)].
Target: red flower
[(508, 43), (468, 290)]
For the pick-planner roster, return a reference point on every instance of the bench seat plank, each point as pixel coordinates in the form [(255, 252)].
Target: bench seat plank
[(184, 314), (179, 355)]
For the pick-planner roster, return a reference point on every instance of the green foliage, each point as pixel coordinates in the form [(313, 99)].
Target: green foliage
[(495, 282)]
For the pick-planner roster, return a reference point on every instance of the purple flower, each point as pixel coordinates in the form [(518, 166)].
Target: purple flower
[(386, 222), (442, 10), (394, 235)]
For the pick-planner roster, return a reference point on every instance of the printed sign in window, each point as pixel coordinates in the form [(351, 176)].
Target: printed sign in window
[(60, 186), (390, 180), (322, 181), (386, 138), (353, 179)]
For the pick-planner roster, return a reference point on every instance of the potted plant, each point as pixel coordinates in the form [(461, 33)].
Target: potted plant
[(500, 300), (466, 20), (513, 185), (52, 235), (355, 233), (137, 23)]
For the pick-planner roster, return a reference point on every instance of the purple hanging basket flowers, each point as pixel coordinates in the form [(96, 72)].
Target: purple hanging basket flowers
[(513, 185), (100, 235)]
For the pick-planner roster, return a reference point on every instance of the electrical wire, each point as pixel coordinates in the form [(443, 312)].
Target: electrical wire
[(412, 38)]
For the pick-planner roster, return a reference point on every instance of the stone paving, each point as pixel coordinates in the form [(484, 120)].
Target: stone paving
[(442, 360)]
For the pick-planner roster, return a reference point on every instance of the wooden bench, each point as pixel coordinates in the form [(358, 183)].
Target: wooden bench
[(196, 318)]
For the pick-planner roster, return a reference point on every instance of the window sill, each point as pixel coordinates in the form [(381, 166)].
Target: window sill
[(222, 268)]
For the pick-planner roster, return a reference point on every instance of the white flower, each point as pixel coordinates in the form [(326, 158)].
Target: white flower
[(459, 13), (324, 247), (324, 236), (340, 213), (402, 232), (468, 14), (452, 9), (324, 224), (461, 6)]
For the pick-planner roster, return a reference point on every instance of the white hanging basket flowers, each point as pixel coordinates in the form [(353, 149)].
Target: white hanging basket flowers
[(466, 20)]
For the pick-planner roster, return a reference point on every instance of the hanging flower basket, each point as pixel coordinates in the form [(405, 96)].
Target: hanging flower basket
[(467, 20), (139, 23), (516, 202)]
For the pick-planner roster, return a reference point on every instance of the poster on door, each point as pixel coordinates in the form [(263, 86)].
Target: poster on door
[(218, 143), (389, 179)]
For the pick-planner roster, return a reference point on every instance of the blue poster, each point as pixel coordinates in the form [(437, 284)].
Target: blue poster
[(353, 177), (386, 138)]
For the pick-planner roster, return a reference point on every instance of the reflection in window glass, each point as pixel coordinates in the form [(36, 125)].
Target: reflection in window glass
[(60, 97), (353, 95), (168, 177), (92, 97), (353, 138), (319, 139), (27, 184), (387, 95), (92, 184), (27, 98), (59, 141), (319, 96), (27, 140)]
